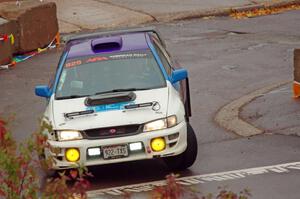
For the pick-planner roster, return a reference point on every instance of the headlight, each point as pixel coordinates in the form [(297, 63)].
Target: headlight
[(161, 124), (68, 135), (171, 121)]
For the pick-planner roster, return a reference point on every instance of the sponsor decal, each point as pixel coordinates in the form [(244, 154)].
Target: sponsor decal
[(110, 107), (78, 113), (96, 59), (133, 106), (155, 106), (93, 59), (73, 63), (128, 56), (124, 106), (112, 131)]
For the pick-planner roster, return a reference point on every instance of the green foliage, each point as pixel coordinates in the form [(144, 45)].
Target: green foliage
[(174, 190), (19, 167)]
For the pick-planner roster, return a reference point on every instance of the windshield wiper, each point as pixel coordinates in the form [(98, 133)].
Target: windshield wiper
[(71, 97), (121, 90), (109, 91)]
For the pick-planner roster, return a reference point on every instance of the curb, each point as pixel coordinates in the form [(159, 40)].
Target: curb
[(266, 5), (222, 12), (228, 116)]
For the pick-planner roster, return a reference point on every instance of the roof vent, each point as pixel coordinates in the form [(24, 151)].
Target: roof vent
[(106, 44)]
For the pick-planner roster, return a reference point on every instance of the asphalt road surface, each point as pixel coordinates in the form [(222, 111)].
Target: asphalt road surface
[(226, 59)]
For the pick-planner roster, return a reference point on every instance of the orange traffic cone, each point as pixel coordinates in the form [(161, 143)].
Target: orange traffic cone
[(296, 89)]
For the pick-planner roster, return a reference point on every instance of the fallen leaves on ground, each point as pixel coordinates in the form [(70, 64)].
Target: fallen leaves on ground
[(263, 11)]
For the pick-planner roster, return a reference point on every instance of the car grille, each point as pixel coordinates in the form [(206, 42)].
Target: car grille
[(110, 132)]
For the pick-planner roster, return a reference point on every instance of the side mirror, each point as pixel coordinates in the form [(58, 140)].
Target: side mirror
[(42, 91), (179, 74)]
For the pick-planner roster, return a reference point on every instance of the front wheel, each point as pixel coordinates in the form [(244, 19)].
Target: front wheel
[(188, 157)]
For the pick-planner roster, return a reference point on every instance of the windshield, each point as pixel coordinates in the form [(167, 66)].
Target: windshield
[(86, 76)]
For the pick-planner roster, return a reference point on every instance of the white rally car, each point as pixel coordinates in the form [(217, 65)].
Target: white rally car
[(116, 97)]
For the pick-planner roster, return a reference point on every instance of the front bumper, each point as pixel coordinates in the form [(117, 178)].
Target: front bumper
[(174, 146)]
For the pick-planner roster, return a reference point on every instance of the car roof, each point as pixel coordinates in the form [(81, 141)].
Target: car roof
[(129, 42)]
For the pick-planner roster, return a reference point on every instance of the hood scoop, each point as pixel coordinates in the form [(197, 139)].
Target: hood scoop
[(110, 98)]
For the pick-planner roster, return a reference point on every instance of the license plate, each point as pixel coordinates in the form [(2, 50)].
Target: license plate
[(113, 152)]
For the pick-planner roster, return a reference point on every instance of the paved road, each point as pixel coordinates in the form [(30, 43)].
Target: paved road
[(286, 121), (227, 59), (72, 15)]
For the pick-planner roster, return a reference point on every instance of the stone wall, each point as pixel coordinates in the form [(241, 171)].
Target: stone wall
[(33, 24), (6, 47)]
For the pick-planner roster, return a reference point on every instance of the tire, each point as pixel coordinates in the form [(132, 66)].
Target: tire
[(188, 157)]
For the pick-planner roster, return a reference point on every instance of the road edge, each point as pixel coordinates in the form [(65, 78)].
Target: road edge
[(194, 180), (185, 15), (226, 11), (228, 117)]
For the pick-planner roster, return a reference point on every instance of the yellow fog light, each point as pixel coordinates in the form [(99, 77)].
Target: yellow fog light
[(158, 144), (72, 155)]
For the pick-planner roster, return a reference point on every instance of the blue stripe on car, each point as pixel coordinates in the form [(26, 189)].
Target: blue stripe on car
[(157, 58), (110, 107), (60, 68)]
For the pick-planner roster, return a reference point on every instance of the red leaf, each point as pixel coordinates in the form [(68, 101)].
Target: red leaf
[(2, 130), (74, 173), (5, 37), (2, 193)]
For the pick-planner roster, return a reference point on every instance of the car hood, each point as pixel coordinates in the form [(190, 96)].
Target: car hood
[(112, 114)]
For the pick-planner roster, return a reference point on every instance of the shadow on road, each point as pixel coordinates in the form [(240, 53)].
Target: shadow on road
[(122, 174)]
